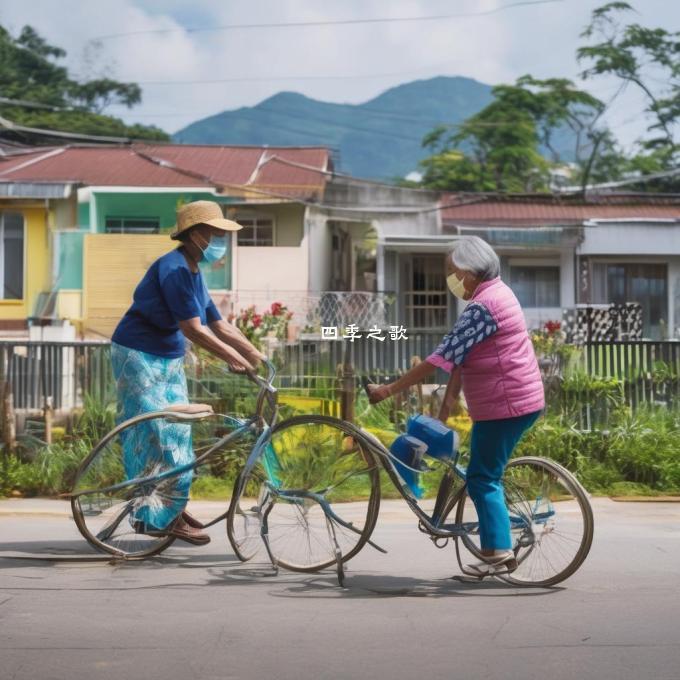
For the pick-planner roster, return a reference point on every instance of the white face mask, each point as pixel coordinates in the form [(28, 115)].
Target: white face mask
[(456, 286)]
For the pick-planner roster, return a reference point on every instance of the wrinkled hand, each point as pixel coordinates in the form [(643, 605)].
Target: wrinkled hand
[(376, 393), (256, 357), (239, 365)]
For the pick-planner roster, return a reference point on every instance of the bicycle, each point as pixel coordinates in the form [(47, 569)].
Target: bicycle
[(104, 500), (309, 494), (305, 525)]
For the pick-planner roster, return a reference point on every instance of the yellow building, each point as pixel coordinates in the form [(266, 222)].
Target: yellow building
[(24, 261)]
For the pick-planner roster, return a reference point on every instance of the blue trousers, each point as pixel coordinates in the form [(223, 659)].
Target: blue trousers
[(491, 445), (146, 382)]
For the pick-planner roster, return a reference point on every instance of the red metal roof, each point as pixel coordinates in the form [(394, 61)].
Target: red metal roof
[(458, 209), (170, 165), (96, 166)]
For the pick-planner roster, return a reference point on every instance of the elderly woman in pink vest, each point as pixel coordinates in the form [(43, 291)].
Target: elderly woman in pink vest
[(489, 353)]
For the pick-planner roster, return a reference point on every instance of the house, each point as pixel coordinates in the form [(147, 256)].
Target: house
[(80, 223), (556, 251), (94, 217), (560, 251)]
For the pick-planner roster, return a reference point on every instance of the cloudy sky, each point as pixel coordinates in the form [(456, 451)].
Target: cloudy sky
[(187, 72)]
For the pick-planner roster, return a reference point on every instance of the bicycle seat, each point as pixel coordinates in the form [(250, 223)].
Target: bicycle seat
[(191, 409)]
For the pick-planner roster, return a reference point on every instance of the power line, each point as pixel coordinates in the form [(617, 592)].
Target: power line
[(274, 79), (340, 22)]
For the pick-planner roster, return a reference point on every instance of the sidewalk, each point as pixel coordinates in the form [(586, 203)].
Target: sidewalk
[(55, 507), (390, 510)]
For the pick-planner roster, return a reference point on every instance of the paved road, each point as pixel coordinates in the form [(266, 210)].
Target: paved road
[(197, 612)]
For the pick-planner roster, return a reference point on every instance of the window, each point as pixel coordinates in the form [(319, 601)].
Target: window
[(426, 302), (258, 230), (646, 283), (536, 286), (132, 225), (12, 255)]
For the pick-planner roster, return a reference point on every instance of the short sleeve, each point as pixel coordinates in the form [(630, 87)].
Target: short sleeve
[(473, 326), (178, 291), (212, 313)]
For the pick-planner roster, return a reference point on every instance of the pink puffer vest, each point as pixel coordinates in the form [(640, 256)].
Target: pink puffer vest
[(501, 378)]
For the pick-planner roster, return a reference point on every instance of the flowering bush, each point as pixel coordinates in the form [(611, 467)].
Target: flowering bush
[(549, 340), (256, 326), (552, 327)]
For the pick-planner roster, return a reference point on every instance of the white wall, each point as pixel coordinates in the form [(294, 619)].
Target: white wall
[(631, 238), (319, 244), (272, 268)]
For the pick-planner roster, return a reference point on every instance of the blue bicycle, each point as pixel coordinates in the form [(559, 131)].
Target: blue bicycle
[(309, 494)]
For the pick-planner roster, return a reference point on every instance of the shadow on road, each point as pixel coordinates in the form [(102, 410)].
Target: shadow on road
[(14, 552), (224, 569), (366, 586)]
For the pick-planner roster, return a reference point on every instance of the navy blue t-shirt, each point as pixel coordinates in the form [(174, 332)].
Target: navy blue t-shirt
[(169, 293)]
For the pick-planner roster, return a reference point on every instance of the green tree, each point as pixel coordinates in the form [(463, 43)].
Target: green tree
[(498, 148), (647, 59), (43, 95)]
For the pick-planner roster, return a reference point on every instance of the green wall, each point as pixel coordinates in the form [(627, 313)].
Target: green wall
[(152, 204), (161, 205)]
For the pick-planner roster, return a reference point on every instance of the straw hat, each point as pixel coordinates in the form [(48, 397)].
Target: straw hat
[(202, 212)]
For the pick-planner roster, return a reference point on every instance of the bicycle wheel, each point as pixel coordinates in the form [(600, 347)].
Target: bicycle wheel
[(551, 522), (107, 508), (315, 470)]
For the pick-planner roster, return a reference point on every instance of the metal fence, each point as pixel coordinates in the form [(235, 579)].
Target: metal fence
[(66, 372), (62, 371), (367, 356), (649, 370)]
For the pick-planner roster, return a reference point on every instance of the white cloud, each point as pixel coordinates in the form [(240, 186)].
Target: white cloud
[(538, 39)]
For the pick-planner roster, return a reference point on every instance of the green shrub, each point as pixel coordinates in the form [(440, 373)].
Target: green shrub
[(18, 476)]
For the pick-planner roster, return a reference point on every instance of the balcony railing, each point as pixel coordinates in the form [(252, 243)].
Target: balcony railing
[(313, 310)]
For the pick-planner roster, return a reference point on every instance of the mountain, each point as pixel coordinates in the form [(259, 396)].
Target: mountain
[(379, 139)]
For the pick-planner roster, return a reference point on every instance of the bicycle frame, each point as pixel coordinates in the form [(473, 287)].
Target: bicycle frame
[(430, 524)]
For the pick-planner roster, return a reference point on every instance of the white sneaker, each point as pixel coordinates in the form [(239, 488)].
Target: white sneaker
[(502, 561)]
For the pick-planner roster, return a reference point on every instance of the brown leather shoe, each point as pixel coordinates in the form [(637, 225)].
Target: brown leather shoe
[(191, 520), (184, 532)]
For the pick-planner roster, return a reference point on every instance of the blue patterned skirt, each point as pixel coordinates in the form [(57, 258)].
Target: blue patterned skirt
[(146, 382)]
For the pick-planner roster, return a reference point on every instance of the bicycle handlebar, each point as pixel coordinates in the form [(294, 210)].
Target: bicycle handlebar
[(261, 382)]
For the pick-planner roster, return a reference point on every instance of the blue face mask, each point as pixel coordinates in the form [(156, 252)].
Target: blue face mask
[(216, 249)]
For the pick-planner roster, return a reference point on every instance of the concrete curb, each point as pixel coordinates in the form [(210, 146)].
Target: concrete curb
[(645, 499)]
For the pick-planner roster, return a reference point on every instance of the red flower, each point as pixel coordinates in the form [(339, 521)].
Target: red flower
[(276, 308), (552, 327), (257, 320)]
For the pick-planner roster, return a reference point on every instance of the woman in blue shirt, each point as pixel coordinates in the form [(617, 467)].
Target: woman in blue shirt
[(172, 304)]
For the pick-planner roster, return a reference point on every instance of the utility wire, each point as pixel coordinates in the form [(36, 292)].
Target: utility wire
[(340, 22)]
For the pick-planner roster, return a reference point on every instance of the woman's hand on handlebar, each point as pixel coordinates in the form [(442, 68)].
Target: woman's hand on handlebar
[(376, 393), (238, 364), (256, 358)]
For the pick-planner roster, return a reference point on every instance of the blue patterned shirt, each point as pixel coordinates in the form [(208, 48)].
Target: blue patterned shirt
[(474, 325)]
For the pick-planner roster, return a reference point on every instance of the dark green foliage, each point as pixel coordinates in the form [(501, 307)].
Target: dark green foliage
[(647, 59), (500, 147), (30, 72)]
